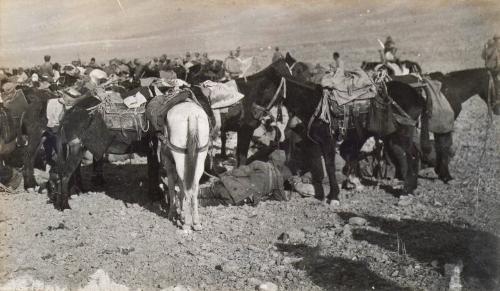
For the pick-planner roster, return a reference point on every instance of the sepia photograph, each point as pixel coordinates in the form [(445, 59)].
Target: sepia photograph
[(265, 145)]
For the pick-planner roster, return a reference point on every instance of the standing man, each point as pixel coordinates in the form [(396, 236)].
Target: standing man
[(389, 51), (277, 54), (491, 57), (46, 69), (22, 77), (232, 66), (92, 63), (338, 64), (204, 59), (187, 59)]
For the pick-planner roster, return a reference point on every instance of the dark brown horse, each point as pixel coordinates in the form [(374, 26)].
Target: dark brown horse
[(30, 121), (243, 117), (85, 129), (458, 87), (302, 100)]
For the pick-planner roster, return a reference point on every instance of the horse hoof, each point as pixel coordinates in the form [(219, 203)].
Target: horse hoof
[(447, 179), (197, 227)]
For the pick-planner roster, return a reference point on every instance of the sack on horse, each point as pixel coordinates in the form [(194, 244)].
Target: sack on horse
[(221, 95), (441, 114)]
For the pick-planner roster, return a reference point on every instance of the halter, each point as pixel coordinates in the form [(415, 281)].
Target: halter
[(290, 67), (281, 85)]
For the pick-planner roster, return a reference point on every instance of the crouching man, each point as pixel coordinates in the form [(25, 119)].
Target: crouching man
[(255, 182)]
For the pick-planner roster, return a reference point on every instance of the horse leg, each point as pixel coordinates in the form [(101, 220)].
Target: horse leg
[(316, 167), (186, 213), (349, 151), (31, 150), (413, 159), (329, 156), (223, 140), (194, 205), (98, 169), (443, 143), (154, 190), (398, 157), (66, 169), (244, 137), (78, 180), (171, 177), (195, 191)]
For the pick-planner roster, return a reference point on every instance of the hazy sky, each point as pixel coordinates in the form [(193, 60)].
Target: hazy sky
[(128, 28)]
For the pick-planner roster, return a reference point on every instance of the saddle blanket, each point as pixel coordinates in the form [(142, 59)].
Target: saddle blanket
[(158, 107), (344, 89), (221, 95)]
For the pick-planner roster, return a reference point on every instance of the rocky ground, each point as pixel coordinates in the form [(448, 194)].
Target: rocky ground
[(116, 239)]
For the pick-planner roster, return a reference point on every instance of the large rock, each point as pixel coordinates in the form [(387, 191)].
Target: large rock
[(359, 221)]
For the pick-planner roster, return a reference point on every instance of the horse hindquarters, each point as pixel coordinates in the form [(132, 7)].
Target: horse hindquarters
[(187, 131)]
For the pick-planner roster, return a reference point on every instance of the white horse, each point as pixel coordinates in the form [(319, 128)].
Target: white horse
[(183, 152)]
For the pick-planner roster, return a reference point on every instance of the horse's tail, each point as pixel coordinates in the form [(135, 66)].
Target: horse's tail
[(191, 152)]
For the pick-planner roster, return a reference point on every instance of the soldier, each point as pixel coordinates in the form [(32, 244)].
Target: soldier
[(232, 66), (277, 54), (390, 50), (46, 69), (491, 57)]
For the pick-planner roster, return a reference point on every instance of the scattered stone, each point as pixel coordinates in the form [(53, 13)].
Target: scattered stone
[(293, 236), (347, 232), (228, 267), (408, 271), (404, 201), (384, 257), (308, 229), (394, 217), (395, 274), (126, 251), (177, 288), (434, 263), (60, 226), (254, 282), (357, 221), (268, 286)]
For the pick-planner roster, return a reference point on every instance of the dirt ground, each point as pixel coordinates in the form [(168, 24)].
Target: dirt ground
[(404, 243)]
